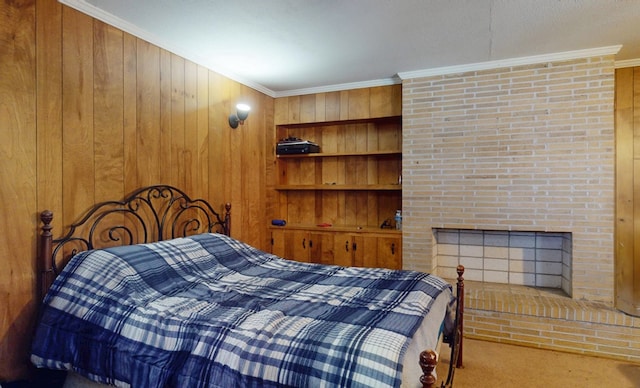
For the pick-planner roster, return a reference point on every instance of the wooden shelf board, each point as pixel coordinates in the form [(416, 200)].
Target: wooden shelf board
[(343, 229), (340, 187), (338, 154), (382, 120)]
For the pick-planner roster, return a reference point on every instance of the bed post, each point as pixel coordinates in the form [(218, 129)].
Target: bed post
[(227, 218), (460, 295), (45, 268)]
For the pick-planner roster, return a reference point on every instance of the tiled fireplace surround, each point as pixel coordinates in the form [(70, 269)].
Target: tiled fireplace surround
[(536, 259), (520, 154)]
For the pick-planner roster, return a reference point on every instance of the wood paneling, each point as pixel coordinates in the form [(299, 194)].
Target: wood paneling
[(49, 107), (17, 181), (90, 113), (381, 101), (627, 252), (108, 112), (77, 114), (153, 140)]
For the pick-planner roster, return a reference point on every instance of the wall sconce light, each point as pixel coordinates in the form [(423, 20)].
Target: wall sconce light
[(242, 112)]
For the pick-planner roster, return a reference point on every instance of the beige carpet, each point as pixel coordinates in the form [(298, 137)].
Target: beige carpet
[(490, 364)]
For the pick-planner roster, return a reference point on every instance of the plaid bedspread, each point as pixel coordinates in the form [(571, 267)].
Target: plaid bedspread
[(210, 311)]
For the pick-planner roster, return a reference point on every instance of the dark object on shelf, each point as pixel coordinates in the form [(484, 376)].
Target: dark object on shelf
[(277, 222), (386, 224), (293, 145)]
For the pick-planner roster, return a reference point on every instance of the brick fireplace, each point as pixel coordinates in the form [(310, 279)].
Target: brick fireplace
[(513, 151)]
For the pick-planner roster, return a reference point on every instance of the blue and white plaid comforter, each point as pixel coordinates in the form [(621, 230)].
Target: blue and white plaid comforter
[(210, 311)]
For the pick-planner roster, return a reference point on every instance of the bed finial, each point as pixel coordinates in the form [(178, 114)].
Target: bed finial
[(428, 362), (46, 217)]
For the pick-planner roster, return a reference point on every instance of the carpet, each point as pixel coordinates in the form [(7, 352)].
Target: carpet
[(491, 364)]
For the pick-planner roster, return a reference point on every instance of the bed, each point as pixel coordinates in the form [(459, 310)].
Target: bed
[(153, 291)]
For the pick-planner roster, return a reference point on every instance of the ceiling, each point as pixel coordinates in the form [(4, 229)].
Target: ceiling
[(289, 47)]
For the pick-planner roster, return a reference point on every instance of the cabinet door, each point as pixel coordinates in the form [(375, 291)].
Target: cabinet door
[(297, 245), (389, 252), (290, 244), (278, 242), (365, 251), (343, 249), (321, 249)]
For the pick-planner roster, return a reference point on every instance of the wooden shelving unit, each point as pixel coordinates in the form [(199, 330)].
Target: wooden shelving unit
[(353, 184)]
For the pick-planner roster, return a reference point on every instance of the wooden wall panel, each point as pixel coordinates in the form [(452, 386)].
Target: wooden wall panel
[(49, 106), (130, 118), (92, 113), (77, 113), (381, 101), (178, 119), (18, 177), (202, 146), (166, 119), (235, 139), (219, 187), (108, 112), (152, 141), (190, 151), (332, 106), (627, 252)]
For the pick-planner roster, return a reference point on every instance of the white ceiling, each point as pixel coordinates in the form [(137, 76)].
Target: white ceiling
[(285, 47)]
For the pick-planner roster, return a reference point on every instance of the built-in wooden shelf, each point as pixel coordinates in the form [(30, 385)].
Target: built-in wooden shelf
[(339, 154), (340, 187), (341, 228)]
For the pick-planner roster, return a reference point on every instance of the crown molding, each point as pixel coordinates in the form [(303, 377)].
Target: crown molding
[(627, 63), (339, 87), (522, 61)]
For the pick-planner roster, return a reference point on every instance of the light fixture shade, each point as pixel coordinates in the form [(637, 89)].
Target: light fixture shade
[(242, 112)]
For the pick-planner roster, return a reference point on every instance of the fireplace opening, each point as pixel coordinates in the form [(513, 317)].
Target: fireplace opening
[(537, 259)]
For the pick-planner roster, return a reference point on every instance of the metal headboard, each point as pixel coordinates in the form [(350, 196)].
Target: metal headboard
[(149, 214)]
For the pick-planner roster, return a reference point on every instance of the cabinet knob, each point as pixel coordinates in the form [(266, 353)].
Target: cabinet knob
[(393, 248), (304, 243), (346, 246)]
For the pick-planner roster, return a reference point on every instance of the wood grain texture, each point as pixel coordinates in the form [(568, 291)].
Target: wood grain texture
[(130, 120), (153, 140), (77, 113), (49, 107), (636, 190), (627, 252), (18, 177), (108, 112), (177, 128), (92, 113), (202, 138)]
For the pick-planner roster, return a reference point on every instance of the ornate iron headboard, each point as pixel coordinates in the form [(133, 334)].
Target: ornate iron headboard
[(147, 215)]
